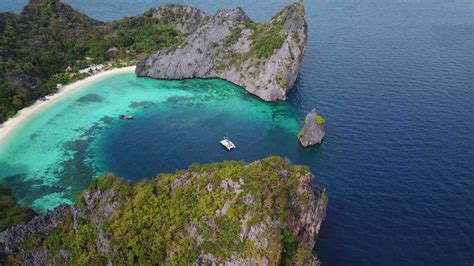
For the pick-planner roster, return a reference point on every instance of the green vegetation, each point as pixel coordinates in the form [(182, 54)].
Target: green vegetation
[(267, 38), (319, 120), (283, 82), (54, 241), (296, 37), (141, 35), (38, 45), (270, 36), (233, 37), (174, 218), (251, 24), (300, 134), (290, 244), (82, 245), (192, 205), (30, 242), (323, 197), (10, 212)]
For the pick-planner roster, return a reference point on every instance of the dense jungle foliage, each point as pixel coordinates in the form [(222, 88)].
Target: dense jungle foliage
[(225, 211), (48, 37)]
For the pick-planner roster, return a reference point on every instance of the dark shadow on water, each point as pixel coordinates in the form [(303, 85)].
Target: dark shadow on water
[(294, 95), (73, 174), (35, 135), (90, 98), (141, 105), (24, 191), (78, 172)]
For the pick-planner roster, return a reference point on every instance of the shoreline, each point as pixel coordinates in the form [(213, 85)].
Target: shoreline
[(26, 113)]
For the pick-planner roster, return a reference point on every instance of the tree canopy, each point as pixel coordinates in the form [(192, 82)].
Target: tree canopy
[(37, 45)]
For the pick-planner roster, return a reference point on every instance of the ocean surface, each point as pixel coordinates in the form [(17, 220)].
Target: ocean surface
[(394, 80)]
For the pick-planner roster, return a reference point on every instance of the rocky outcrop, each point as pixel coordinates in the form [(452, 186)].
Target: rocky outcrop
[(212, 214), (94, 205), (12, 237), (313, 130), (12, 240), (11, 212), (264, 58)]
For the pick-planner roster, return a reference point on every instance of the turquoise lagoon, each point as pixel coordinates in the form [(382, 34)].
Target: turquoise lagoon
[(55, 155), (394, 80)]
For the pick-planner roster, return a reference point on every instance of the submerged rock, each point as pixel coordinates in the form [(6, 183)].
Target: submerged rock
[(263, 58), (263, 213), (313, 130)]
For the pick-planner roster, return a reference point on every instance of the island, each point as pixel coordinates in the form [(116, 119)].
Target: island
[(49, 45), (313, 131), (267, 212), (262, 58)]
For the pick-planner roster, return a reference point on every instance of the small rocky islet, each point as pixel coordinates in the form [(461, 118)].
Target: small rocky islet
[(266, 212), (313, 131)]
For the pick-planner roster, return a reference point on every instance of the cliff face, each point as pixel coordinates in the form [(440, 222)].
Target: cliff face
[(264, 58), (313, 131), (265, 213)]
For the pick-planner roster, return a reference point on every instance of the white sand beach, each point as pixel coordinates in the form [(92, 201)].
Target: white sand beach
[(23, 115)]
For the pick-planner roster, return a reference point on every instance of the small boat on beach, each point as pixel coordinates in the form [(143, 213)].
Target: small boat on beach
[(126, 117), (229, 145)]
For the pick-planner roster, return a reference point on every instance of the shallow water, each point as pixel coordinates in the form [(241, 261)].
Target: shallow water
[(394, 80), (54, 156)]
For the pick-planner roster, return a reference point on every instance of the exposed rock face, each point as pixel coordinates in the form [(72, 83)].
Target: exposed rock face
[(217, 214), (98, 207), (12, 213), (313, 130), (11, 239), (264, 59), (43, 222)]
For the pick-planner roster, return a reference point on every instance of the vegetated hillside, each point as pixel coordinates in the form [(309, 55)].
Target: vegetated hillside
[(265, 212), (47, 37), (12, 213)]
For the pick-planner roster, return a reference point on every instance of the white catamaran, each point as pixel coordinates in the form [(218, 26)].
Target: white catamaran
[(228, 144)]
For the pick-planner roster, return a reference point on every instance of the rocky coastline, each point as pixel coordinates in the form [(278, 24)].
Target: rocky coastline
[(271, 226), (263, 58), (267, 212)]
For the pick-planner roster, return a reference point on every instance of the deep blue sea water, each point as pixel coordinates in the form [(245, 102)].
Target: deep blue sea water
[(394, 80)]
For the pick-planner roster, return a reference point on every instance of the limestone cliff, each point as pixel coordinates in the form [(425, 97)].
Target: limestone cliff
[(263, 213), (262, 58), (313, 131)]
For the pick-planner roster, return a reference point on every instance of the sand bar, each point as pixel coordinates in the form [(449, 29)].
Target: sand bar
[(26, 113)]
